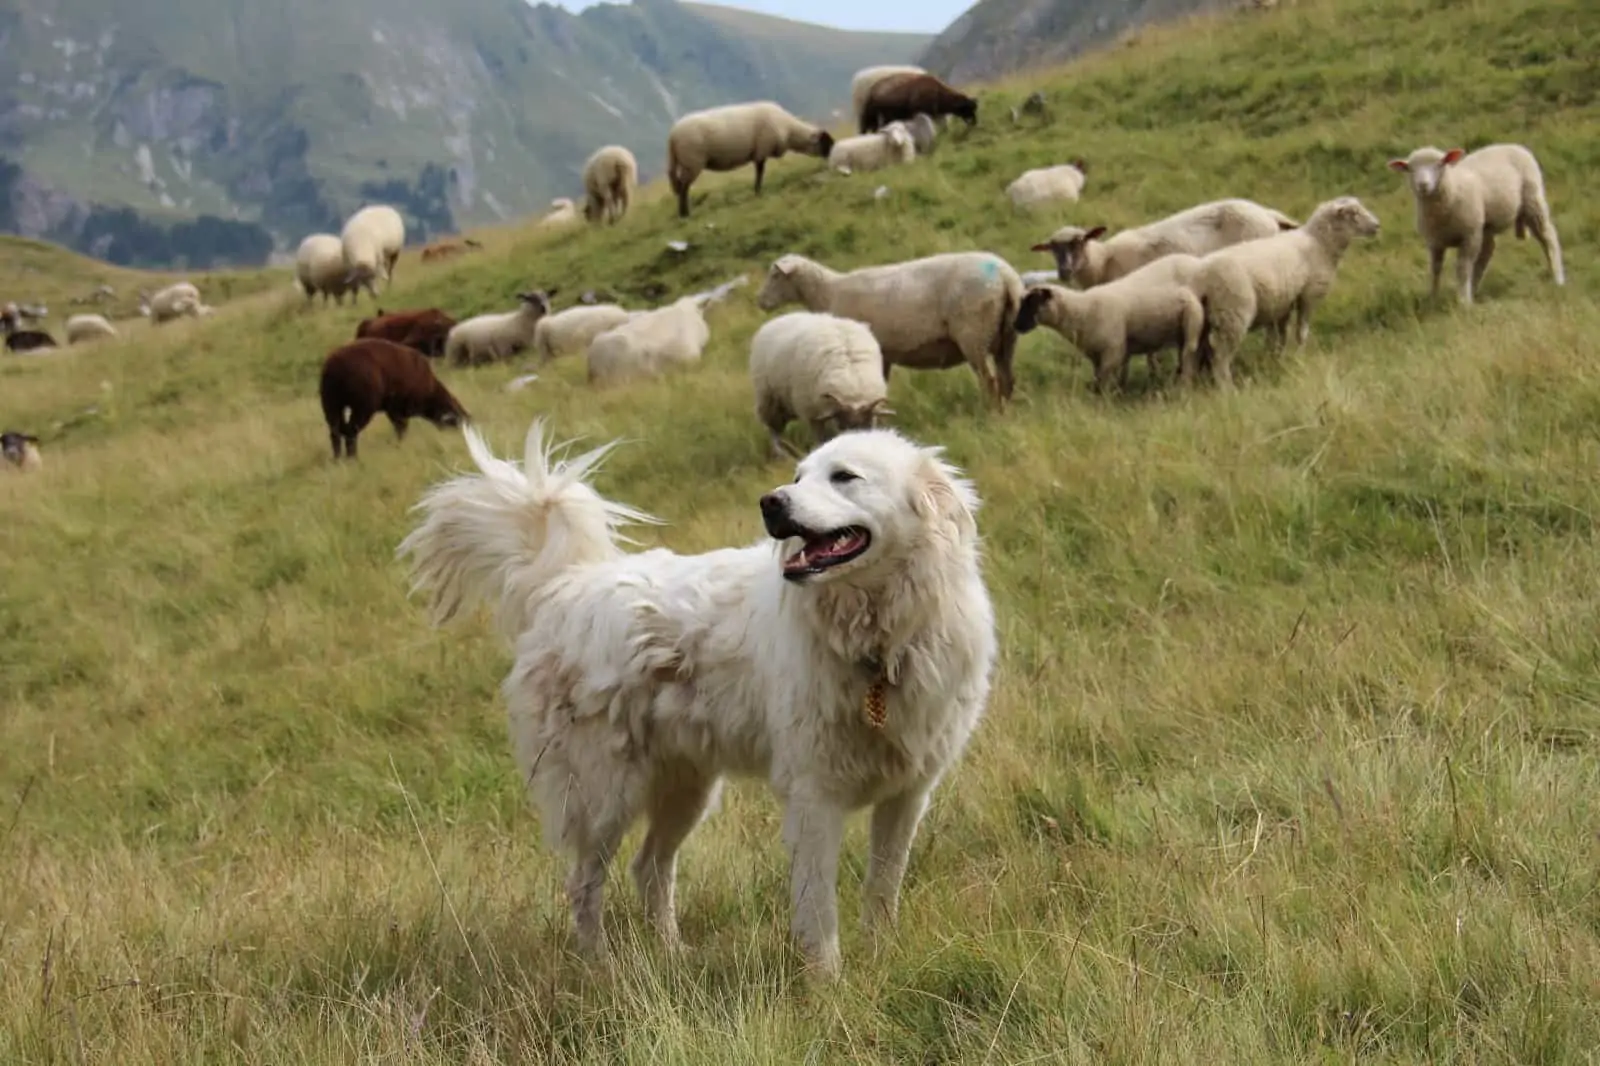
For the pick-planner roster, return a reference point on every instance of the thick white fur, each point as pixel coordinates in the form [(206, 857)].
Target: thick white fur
[(642, 678)]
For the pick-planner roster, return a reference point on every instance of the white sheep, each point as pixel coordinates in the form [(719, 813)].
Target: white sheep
[(572, 330), (371, 242), (319, 267), (729, 137), (890, 146), (863, 81), (650, 342), (485, 338), (924, 134), (563, 212), (609, 178), (83, 328), (1465, 201), (1260, 283), (1086, 261), (174, 301), (1149, 310), (928, 314), (819, 368), (1043, 186)]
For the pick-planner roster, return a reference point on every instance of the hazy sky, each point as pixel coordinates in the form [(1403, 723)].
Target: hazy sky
[(922, 16)]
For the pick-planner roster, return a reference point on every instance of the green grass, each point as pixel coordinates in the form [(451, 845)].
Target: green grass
[(1292, 755)]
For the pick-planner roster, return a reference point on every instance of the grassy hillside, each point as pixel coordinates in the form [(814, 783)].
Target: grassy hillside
[(1292, 755)]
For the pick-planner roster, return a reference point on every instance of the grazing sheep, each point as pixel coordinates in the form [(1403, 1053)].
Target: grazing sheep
[(319, 267), (21, 450), (1465, 201), (174, 301), (1260, 283), (448, 249), (372, 375), (890, 146), (371, 240), (485, 338), (650, 342), (927, 314), (1086, 261), (572, 330), (1140, 314), (84, 328), (1048, 185), (863, 81), (609, 179), (729, 137), (824, 370), (425, 330), (902, 96)]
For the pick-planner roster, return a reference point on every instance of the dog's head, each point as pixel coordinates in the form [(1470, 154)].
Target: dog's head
[(867, 503)]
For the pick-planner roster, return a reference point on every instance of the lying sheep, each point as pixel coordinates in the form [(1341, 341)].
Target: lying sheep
[(1086, 261), (371, 375), (424, 330), (319, 267), (174, 301), (729, 137), (650, 342), (903, 96), (84, 328), (563, 212), (609, 178), (1140, 314), (29, 340), (863, 81), (928, 314), (485, 338), (1465, 201), (890, 146), (1048, 185), (1260, 283), (371, 241), (21, 450), (449, 249), (824, 370), (572, 330)]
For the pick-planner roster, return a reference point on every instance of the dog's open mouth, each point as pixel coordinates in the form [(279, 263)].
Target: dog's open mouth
[(820, 552)]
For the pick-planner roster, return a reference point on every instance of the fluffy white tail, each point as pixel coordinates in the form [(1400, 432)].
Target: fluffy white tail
[(499, 536)]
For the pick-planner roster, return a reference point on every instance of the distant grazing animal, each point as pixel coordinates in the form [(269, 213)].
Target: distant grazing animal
[(319, 267), (371, 240), (609, 178), (727, 138), (1465, 201), (21, 450), (901, 97), (425, 330), (84, 328), (371, 375), (448, 249), (863, 81), (847, 664)]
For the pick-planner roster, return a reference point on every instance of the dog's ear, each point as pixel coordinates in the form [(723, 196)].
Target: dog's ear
[(940, 495)]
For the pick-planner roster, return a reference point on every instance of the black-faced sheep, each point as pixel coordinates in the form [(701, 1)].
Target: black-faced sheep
[(371, 375), (901, 97), (727, 138), (21, 450)]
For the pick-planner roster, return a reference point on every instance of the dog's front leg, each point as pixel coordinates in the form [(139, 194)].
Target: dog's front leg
[(894, 826), (813, 831)]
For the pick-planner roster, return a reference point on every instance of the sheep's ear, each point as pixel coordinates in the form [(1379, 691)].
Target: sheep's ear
[(1453, 156), (1097, 232), (552, 290), (1045, 246), (1399, 165), (1082, 165)]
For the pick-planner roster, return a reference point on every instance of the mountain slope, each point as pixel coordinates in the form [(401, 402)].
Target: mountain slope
[(287, 115)]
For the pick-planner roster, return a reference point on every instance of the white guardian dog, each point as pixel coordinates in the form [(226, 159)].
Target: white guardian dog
[(847, 661)]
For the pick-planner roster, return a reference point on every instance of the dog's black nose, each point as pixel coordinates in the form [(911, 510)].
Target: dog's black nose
[(775, 516)]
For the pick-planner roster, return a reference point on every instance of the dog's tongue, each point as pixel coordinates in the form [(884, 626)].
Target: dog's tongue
[(823, 549)]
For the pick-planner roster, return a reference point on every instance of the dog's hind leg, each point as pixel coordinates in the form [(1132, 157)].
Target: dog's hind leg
[(813, 830), (677, 803), (894, 826)]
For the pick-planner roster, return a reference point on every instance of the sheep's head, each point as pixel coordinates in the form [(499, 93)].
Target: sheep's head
[(967, 110), (779, 288), (863, 416), (1426, 168), (1069, 245), (1347, 215), (538, 300), (1034, 301), (823, 145)]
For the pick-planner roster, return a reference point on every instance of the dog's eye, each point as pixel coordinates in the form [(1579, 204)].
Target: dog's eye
[(839, 477)]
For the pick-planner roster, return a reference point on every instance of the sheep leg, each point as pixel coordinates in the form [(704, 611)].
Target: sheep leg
[(1544, 231), (761, 170), (1466, 263), (1111, 366), (681, 188), (1435, 268), (399, 425), (1482, 262), (1302, 310)]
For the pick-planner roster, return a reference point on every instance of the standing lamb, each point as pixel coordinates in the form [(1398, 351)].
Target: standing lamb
[(371, 242), (727, 138), (1084, 260), (927, 314), (824, 370), (21, 450), (902, 96), (1260, 283), (486, 338), (609, 179), (650, 342), (1048, 185), (319, 267), (172, 302), (890, 146), (863, 81), (1465, 201), (572, 330), (372, 375), (84, 328)]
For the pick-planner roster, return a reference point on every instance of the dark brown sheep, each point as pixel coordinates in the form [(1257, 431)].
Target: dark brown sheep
[(27, 340), (899, 97), (424, 330), (372, 375)]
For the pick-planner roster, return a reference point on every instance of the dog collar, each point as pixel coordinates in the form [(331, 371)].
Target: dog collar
[(876, 704)]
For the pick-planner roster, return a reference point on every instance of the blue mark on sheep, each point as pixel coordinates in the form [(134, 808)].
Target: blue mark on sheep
[(990, 270)]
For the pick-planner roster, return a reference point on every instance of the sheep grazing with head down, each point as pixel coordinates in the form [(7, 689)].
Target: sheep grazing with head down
[(863, 81), (736, 135), (824, 370), (609, 178), (371, 242), (370, 375), (901, 97), (1466, 201), (319, 267), (486, 338), (21, 450)]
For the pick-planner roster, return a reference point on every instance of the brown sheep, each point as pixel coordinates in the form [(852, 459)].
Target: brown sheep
[(28, 340), (372, 375), (900, 97), (447, 249), (424, 330)]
